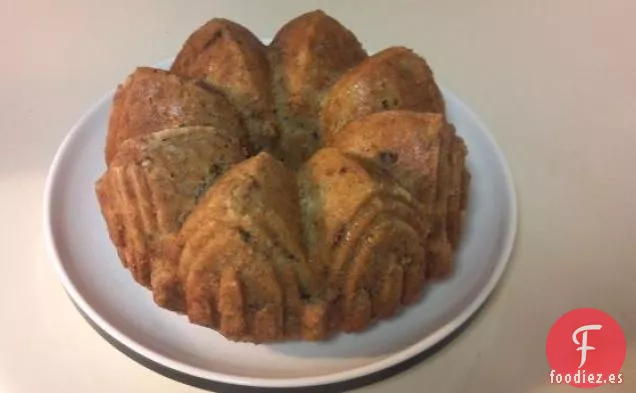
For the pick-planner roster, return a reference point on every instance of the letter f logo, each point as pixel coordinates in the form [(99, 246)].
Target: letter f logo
[(583, 344)]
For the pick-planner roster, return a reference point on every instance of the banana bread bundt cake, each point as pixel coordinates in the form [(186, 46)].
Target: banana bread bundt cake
[(288, 191)]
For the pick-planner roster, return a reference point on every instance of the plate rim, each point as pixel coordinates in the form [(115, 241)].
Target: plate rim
[(389, 361)]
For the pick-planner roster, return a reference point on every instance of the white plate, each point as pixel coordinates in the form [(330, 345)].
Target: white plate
[(107, 295)]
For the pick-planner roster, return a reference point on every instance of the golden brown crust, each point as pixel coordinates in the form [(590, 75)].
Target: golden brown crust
[(358, 228), (439, 250), (463, 205), (308, 54), (152, 185), (395, 78), (406, 144), (234, 289), (152, 100), (422, 152), (457, 183), (255, 207), (231, 58)]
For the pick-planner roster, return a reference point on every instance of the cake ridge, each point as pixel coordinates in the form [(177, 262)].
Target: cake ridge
[(344, 241)]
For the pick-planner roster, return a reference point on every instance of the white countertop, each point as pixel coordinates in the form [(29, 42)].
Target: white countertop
[(555, 80)]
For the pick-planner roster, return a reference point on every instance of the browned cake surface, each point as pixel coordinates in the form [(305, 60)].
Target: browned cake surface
[(153, 183), (286, 192), (405, 143), (308, 54), (466, 180), (230, 58), (152, 100), (367, 236), (439, 249), (395, 78), (254, 209), (423, 154), (456, 190)]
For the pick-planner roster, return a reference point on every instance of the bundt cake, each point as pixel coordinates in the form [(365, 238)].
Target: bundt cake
[(288, 191)]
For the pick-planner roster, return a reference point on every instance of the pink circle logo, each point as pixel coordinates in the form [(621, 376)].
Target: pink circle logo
[(586, 348)]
